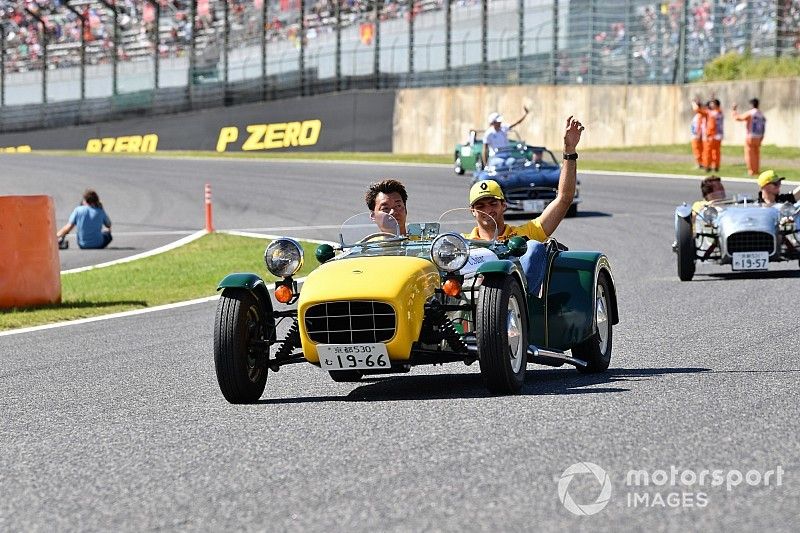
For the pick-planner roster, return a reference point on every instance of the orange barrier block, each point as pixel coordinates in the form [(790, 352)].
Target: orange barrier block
[(29, 265)]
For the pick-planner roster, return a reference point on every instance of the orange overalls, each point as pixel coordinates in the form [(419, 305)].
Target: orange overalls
[(712, 153), (697, 133), (756, 124)]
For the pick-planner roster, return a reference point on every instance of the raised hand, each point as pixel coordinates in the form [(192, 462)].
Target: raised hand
[(573, 135)]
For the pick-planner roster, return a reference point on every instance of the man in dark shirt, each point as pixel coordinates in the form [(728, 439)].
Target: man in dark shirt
[(769, 193)]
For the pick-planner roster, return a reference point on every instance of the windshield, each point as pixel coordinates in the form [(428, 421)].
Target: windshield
[(369, 227), (463, 222)]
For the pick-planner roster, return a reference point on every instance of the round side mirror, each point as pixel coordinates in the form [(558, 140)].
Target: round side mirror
[(324, 253), (517, 246)]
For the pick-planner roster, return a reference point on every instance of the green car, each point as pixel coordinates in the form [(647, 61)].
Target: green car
[(467, 156), (383, 303)]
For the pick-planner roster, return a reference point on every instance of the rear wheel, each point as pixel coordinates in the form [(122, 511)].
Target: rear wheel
[(596, 350), (346, 376), (457, 168), (241, 331), (687, 253), (502, 334)]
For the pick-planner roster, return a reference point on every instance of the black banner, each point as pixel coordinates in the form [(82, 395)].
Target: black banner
[(355, 121)]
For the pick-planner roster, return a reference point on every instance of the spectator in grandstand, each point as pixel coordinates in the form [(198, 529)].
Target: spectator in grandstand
[(388, 197), (697, 131), (755, 123), (496, 136), (769, 193), (94, 226)]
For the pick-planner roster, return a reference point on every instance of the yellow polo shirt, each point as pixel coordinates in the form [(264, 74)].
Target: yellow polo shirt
[(699, 205), (531, 229)]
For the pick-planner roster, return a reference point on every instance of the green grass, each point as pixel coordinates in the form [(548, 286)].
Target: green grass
[(191, 271), (735, 66), (677, 159), (632, 159)]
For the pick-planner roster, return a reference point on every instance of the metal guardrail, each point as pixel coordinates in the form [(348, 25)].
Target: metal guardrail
[(239, 52)]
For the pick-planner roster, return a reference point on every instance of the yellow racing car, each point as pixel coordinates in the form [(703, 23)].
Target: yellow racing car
[(382, 303)]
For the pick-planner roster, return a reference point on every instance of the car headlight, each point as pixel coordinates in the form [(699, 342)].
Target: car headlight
[(709, 215), (449, 252), (283, 257)]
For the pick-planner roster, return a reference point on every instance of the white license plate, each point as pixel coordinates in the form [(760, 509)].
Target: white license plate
[(536, 206), (353, 356), (751, 260)]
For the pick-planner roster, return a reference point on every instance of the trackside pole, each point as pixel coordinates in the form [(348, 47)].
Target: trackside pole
[(209, 216)]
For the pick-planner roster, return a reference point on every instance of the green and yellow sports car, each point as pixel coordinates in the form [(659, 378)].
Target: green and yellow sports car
[(381, 303)]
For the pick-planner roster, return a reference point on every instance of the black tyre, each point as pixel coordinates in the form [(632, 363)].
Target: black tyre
[(687, 253), (457, 168), (240, 331), (346, 376), (572, 211), (596, 350), (502, 334)]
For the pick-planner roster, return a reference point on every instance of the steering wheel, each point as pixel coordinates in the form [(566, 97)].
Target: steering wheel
[(376, 235)]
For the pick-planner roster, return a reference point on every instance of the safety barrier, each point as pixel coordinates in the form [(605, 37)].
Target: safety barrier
[(29, 263)]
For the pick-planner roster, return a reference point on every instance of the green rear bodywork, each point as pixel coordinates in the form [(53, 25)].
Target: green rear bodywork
[(564, 317)]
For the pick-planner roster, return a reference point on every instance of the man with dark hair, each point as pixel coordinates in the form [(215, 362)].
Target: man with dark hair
[(714, 132), (94, 226), (756, 123), (389, 197), (712, 190)]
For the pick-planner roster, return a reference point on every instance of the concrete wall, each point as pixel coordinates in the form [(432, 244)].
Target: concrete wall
[(433, 120)]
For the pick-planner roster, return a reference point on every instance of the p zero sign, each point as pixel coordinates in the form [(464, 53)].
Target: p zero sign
[(256, 137)]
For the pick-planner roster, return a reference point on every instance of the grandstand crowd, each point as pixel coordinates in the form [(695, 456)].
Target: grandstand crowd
[(652, 39)]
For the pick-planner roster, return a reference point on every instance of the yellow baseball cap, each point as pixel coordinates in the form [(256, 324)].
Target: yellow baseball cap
[(767, 177), (485, 189)]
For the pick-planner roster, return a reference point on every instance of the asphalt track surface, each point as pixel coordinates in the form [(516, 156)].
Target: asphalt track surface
[(120, 425)]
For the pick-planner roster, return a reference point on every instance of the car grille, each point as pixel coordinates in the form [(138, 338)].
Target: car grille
[(530, 193), (751, 241), (350, 322)]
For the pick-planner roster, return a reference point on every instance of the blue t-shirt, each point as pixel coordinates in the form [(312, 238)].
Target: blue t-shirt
[(90, 222)]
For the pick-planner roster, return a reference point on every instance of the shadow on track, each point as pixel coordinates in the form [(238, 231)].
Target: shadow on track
[(455, 386), (510, 215), (771, 274)]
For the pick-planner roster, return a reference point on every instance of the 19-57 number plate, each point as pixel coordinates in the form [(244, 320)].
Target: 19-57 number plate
[(750, 260), (353, 356)]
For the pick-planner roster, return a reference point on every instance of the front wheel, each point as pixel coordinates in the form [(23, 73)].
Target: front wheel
[(502, 334), (596, 350), (241, 331), (457, 168), (687, 252)]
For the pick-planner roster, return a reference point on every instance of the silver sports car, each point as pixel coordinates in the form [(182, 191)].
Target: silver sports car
[(737, 232)]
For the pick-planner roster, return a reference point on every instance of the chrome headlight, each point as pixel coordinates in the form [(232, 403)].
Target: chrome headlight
[(283, 257), (787, 210), (449, 252), (709, 215)]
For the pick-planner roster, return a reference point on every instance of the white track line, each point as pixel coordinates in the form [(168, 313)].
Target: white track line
[(164, 307), (155, 251)]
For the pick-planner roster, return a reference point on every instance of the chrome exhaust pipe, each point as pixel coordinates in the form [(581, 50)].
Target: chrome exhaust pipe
[(552, 358)]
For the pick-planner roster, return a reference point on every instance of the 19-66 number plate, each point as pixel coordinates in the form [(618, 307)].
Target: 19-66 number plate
[(353, 356), (751, 260)]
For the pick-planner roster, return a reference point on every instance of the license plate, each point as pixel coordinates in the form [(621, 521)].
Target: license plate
[(536, 206), (750, 260), (353, 356)]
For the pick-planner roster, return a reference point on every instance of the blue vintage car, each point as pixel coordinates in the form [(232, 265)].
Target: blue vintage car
[(529, 184)]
